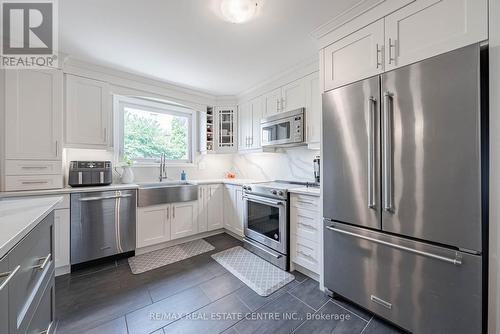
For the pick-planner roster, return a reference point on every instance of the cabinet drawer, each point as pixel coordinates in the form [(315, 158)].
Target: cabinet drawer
[(416, 291), (305, 202), (44, 316), (305, 253), (32, 167), (33, 182), (305, 224), (34, 254)]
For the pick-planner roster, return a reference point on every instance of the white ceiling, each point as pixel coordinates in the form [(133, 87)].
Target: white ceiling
[(185, 42)]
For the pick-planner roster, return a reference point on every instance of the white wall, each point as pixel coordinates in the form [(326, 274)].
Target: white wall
[(494, 260), (289, 164)]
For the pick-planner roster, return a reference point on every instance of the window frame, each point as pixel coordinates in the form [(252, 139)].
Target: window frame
[(121, 102)]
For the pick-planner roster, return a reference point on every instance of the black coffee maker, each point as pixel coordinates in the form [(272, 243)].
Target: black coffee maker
[(316, 163)]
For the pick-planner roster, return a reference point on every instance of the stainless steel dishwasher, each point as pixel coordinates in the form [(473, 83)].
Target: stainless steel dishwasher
[(102, 224)]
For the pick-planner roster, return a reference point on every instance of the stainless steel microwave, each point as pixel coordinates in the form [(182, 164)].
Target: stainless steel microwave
[(283, 129)]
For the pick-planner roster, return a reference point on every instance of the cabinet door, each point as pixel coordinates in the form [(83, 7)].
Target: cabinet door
[(62, 237), (272, 102), (215, 207), (427, 28), (4, 298), (33, 114), (202, 208), (240, 214), (354, 57), (183, 219), (244, 125), (88, 112), (293, 95), (313, 108), (257, 111), (153, 225), (228, 206)]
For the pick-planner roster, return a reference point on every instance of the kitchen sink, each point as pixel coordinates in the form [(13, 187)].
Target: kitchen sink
[(166, 192)]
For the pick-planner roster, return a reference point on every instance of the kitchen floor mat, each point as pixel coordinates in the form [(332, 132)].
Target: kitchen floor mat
[(260, 275), (159, 258)]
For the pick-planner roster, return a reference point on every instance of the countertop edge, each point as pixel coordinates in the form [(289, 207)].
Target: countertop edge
[(15, 239), (305, 192)]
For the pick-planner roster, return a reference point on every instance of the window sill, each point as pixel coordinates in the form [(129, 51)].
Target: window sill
[(168, 165)]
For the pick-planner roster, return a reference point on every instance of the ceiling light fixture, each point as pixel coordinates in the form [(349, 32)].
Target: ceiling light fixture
[(239, 11)]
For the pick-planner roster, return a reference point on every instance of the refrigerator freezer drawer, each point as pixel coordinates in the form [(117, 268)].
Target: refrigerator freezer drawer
[(420, 287)]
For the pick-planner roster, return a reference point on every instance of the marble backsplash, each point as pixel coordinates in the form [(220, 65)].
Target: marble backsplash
[(285, 164)]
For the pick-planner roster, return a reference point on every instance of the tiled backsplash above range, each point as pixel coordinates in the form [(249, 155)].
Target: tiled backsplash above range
[(286, 164)]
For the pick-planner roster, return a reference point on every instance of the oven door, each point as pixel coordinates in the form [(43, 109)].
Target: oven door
[(266, 222), (279, 132)]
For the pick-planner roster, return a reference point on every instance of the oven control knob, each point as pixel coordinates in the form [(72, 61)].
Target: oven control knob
[(249, 188), (245, 187), (280, 193), (274, 192)]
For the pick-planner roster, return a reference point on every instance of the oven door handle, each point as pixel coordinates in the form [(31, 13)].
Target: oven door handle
[(262, 201)]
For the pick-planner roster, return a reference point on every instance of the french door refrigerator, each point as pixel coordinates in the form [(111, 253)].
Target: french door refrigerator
[(402, 194)]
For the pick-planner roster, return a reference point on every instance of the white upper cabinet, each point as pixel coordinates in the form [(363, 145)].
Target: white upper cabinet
[(293, 96), (427, 28), (33, 115), (88, 113), (250, 114), (244, 125), (272, 102), (354, 57), (313, 109), (257, 111)]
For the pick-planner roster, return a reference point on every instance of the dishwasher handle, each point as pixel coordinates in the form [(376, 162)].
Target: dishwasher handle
[(100, 198)]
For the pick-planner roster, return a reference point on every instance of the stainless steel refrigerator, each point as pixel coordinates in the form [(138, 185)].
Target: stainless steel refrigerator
[(403, 190)]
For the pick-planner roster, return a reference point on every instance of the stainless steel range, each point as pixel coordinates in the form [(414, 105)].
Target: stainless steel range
[(266, 220)]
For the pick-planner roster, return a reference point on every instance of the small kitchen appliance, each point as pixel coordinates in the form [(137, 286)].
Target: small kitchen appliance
[(90, 173), (316, 163)]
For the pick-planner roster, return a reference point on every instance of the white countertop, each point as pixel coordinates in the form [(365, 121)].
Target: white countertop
[(312, 191), (117, 186), (19, 216), (67, 190)]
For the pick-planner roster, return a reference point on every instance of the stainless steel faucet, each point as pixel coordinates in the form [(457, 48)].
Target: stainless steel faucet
[(163, 167)]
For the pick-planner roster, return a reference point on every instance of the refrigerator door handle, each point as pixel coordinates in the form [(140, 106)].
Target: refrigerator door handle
[(387, 151), (371, 152), (456, 261)]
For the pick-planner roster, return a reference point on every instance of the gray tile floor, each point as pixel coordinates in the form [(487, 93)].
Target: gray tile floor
[(198, 295)]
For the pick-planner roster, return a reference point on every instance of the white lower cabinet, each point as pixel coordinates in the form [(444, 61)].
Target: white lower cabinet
[(160, 223), (62, 238), (305, 225), (234, 209), (215, 209), (153, 225), (183, 219)]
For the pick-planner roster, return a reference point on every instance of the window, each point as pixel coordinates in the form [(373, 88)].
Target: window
[(149, 129)]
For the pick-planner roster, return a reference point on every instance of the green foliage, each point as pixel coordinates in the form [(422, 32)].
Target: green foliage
[(144, 138)]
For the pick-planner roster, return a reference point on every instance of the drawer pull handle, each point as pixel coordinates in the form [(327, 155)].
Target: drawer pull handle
[(308, 225), (34, 182), (381, 302), (305, 202), (34, 167), (456, 261), (9, 276), (46, 260), (48, 330), (307, 255)]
